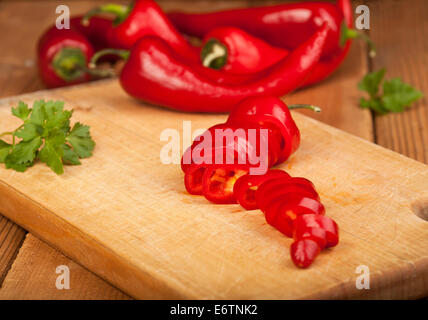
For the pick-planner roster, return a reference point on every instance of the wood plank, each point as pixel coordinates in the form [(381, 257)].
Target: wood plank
[(399, 30), (37, 263), (33, 276), (11, 238), (138, 228)]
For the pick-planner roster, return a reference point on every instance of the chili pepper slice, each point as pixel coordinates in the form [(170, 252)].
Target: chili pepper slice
[(193, 178), (303, 252), (143, 18), (271, 190), (248, 145), (282, 212), (218, 182), (156, 74), (246, 186), (318, 221), (303, 230), (270, 186), (233, 50), (269, 110)]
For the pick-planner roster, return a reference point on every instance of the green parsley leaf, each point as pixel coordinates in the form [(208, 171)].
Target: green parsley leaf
[(70, 156), (46, 135), (52, 151), (29, 131), (4, 150), (56, 116), (23, 154), (38, 114), (81, 141), (371, 82), (21, 111), (396, 95)]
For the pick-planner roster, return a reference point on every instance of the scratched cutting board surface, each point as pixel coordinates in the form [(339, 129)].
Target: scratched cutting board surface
[(127, 217)]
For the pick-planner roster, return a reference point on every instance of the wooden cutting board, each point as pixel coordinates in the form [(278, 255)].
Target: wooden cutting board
[(127, 217)]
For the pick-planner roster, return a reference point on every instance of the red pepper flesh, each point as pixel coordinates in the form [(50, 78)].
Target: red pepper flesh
[(246, 186), (303, 252), (269, 110), (271, 190), (218, 182), (323, 222)]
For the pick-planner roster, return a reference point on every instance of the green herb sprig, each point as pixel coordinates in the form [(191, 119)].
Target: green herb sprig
[(396, 95), (45, 135)]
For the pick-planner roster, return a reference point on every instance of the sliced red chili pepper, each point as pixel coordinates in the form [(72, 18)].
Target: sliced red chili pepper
[(282, 212), (218, 182), (246, 186), (193, 178), (303, 252), (272, 190), (322, 222), (245, 151), (304, 230), (269, 110)]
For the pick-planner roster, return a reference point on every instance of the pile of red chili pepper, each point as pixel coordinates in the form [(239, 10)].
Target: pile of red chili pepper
[(261, 51), (290, 204)]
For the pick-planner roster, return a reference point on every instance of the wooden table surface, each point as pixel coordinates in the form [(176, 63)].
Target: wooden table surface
[(399, 29)]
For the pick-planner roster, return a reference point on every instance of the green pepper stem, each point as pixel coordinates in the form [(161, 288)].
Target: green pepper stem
[(119, 11), (304, 106), (214, 54), (124, 54), (347, 34)]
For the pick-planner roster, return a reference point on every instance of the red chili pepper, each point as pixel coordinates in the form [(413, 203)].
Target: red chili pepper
[(218, 182), (63, 56), (155, 74), (303, 252), (282, 212), (233, 50), (143, 18), (246, 186), (305, 230), (95, 30), (193, 178), (312, 227), (283, 25), (273, 189), (268, 113), (270, 110), (309, 221)]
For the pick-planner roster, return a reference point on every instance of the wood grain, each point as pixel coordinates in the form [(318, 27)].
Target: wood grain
[(138, 227), (41, 277), (402, 50)]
